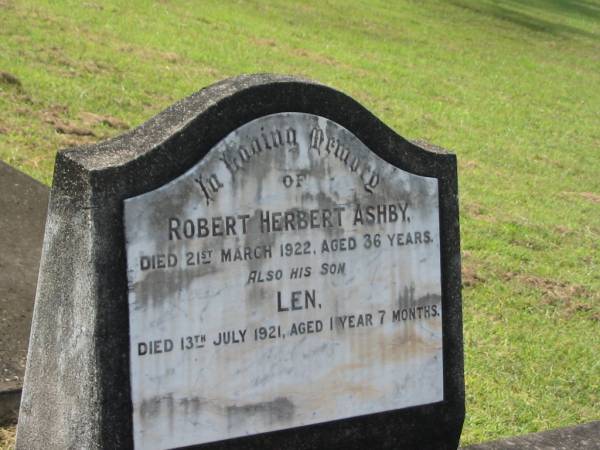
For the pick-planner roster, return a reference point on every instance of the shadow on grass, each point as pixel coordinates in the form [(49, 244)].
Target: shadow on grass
[(582, 8), (509, 12)]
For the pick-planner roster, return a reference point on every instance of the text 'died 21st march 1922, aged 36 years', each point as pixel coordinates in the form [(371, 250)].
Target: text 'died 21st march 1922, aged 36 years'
[(290, 277)]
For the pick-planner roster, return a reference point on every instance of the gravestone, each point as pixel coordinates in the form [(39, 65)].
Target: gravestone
[(23, 205), (263, 265)]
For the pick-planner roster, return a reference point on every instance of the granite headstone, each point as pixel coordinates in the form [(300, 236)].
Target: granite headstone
[(23, 206), (263, 265)]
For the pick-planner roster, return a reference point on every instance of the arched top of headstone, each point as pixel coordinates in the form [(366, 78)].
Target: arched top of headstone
[(170, 143)]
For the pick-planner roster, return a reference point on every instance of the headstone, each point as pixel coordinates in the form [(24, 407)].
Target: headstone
[(263, 265), (23, 206)]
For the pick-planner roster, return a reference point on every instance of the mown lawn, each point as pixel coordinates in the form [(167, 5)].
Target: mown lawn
[(512, 87)]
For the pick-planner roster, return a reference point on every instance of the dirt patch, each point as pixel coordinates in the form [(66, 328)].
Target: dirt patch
[(95, 6), (9, 79), (550, 162), (53, 116), (470, 274), (590, 196), (563, 230), (68, 128), (56, 57), (467, 164), (64, 128), (528, 242), (476, 211), (473, 209), (10, 82), (317, 57), (560, 294), (58, 60), (264, 42), (170, 57), (470, 277), (70, 140), (594, 198), (91, 119), (94, 67)]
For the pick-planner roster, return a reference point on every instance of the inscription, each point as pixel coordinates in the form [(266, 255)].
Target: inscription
[(291, 266), (236, 157), (333, 145)]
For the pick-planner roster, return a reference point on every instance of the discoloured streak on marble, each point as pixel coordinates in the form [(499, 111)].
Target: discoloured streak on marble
[(280, 410)]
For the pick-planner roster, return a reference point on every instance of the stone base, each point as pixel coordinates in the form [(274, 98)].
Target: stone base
[(581, 437)]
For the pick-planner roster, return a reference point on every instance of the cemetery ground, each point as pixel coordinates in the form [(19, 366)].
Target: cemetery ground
[(513, 90)]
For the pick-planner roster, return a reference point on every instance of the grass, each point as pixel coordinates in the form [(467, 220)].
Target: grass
[(512, 87), (7, 437)]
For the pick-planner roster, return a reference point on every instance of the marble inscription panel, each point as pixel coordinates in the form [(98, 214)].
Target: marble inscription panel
[(290, 277)]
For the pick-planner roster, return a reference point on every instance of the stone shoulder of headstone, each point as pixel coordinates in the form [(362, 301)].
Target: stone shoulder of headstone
[(90, 380)]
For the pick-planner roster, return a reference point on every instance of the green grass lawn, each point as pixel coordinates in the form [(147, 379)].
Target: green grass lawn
[(512, 87)]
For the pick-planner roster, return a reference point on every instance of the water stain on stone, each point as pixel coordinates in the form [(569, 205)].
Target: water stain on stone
[(191, 405), (158, 286), (151, 407), (280, 410)]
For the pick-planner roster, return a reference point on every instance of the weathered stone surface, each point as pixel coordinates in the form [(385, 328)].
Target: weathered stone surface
[(78, 377), (23, 206), (580, 437)]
